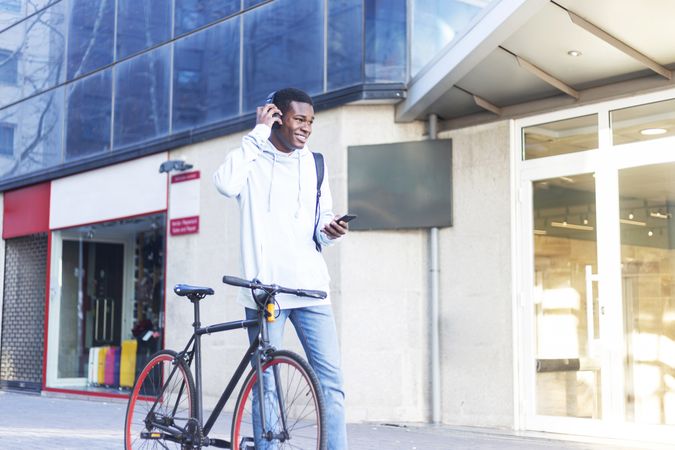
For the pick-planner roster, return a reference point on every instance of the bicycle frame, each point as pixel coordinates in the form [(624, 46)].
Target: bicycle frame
[(255, 352)]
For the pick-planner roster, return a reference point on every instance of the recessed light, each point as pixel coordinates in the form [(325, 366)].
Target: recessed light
[(652, 131), (574, 53)]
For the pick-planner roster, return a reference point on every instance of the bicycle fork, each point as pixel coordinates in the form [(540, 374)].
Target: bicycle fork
[(269, 434)]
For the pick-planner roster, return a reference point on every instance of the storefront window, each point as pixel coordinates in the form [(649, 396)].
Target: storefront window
[(560, 137), (106, 316), (648, 281), (643, 123), (565, 298)]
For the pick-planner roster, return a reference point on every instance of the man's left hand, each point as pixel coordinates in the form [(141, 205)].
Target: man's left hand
[(335, 229)]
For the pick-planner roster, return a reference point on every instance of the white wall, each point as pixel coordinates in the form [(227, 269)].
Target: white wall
[(475, 255), (379, 280)]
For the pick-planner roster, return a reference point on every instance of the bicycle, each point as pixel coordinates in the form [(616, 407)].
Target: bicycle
[(286, 410)]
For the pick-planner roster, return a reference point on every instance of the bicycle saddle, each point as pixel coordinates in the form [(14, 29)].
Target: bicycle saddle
[(185, 290)]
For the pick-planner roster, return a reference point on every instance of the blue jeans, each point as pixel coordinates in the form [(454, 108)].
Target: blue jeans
[(315, 327)]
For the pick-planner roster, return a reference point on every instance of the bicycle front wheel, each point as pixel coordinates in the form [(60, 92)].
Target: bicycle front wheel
[(161, 405), (293, 407)]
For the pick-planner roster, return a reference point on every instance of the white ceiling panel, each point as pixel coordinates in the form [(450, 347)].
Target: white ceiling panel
[(455, 103), (645, 25), (545, 40), (500, 80)]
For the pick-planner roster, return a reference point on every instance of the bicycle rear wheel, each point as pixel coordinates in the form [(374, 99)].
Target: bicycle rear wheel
[(164, 393), (298, 402)]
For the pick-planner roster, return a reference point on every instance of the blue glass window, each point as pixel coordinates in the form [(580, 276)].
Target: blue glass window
[(249, 3), (7, 138), (436, 23), (89, 105), (12, 11), (206, 76), (8, 66), (191, 14), (142, 24), (142, 98), (10, 5), (284, 47), (385, 40), (345, 43), (36, 134), (90, 35), (32, 55)]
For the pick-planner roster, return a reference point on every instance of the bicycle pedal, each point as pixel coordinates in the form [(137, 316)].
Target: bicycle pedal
[(247, 444)]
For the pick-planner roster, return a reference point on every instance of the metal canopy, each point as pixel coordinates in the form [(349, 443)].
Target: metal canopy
[(520, 59)]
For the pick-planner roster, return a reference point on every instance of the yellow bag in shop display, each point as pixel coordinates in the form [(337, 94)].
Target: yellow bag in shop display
[(100, 373), (128, 362)]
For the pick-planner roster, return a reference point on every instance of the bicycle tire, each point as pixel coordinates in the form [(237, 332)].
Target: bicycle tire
[(303, 402), (177, 405)]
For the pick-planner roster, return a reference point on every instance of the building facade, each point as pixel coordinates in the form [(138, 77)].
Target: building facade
[(545, 306)]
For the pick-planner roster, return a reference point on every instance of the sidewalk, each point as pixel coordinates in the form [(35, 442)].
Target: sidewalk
[(40, 422)]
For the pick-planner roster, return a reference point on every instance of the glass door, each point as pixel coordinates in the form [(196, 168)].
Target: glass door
[(646, 196), (565, 316), (106, 303)]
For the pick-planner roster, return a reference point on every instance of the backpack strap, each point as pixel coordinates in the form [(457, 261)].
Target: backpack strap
[(318, 162)]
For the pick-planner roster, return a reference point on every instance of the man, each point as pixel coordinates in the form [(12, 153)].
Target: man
[(273, 177)]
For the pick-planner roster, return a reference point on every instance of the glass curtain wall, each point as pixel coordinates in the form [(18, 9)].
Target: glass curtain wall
[(84, 79)]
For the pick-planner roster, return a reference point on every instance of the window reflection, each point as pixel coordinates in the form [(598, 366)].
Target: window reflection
[(648, 275), (436, 23), (89, 103), (643, 122), (283, 48), (345, 43), (142, 24), (566, 314), (34, 127), (385, 40), (191, 14), (31, 55), (90, 35), (142, 98), (206, 76), (560, 137), (13, 11)]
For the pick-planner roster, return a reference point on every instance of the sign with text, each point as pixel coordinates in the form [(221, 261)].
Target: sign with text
[(184, 203), (185, 225)]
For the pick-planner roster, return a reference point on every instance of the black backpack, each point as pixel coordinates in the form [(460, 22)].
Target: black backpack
[(318, 162)]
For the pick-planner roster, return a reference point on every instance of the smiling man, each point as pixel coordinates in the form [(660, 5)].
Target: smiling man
[(274, 179)]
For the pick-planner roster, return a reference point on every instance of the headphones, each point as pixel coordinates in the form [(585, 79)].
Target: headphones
[(270, 99)]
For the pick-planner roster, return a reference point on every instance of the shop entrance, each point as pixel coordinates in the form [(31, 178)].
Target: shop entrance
[(106, 306), (598, 276)]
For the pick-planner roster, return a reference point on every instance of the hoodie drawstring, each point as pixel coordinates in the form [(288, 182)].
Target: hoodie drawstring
[(269, 194), (297, 210)]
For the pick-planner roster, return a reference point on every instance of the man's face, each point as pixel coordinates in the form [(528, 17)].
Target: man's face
[(296, 127)]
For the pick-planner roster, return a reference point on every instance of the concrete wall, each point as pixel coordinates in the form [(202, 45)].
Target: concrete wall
[(379, 280), (477, 329)]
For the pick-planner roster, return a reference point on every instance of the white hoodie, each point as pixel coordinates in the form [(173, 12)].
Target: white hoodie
[(276, 193)]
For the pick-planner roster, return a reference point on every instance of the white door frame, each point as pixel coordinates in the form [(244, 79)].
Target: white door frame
[(605, 162)]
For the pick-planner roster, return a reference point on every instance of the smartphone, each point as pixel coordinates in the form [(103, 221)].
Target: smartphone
[(346, 218), (270, 99)]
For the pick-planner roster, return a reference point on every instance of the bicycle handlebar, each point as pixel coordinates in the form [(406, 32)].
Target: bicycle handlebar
[(273, 288)]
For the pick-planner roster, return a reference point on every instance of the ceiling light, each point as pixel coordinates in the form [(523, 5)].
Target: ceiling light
[(574, 53), (539, 232), (633, 222), (572, 226), (650, 233), (653, 131), (660, 215)]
